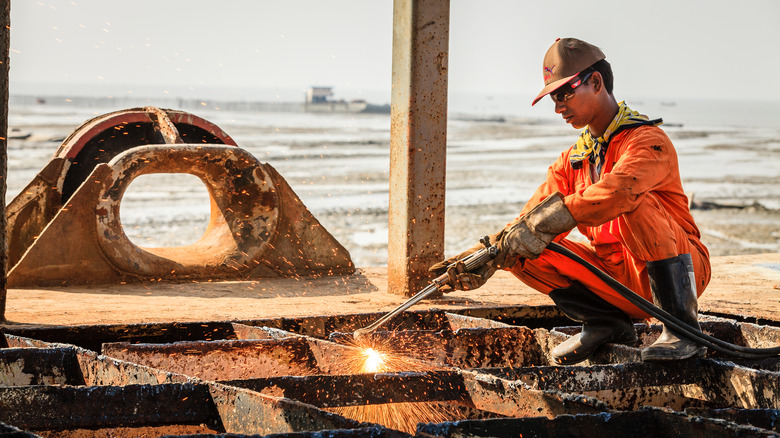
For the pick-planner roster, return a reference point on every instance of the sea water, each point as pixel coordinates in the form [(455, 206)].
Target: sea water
[(498, 151)]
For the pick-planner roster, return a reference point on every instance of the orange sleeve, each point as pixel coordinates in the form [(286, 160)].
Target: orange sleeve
[(559, 179), (645, 160)]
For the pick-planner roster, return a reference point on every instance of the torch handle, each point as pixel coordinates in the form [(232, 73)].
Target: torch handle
[(471, 262)]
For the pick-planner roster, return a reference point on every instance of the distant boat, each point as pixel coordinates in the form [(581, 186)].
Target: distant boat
[(668, 103), (318, 101)]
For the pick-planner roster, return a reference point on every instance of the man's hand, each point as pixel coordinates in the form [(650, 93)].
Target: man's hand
[(459, 278), (462, 280), (525, 238), (530, 235)]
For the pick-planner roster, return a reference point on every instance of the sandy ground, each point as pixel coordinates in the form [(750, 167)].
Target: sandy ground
[(747, 285)]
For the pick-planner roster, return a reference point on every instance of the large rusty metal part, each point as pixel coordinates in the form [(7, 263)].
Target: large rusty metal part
[(64, 227), (476, 373)]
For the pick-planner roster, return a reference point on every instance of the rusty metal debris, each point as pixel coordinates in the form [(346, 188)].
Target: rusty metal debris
[(476, 372), (64, 227)]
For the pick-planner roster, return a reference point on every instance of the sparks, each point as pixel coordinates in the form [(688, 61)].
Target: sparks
[(374, 361), (371, 356)]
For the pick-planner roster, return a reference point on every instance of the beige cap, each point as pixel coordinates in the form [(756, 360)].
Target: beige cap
[(564, 60)]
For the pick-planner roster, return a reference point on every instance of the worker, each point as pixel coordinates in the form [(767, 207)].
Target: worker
[(619, 185)]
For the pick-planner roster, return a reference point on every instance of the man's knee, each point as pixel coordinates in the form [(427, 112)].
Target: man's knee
[(649, 232)]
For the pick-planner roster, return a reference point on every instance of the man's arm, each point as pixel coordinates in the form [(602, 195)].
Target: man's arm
[(559, 179)]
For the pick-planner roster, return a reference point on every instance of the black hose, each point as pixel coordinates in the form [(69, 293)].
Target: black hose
[(665, 317)]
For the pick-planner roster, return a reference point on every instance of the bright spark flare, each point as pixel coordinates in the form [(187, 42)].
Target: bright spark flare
[(374, 361)]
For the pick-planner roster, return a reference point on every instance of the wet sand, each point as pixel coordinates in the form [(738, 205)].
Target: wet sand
[(725, 231), (338, 165)]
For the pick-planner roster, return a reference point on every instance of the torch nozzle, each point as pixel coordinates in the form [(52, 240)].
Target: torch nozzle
[(359, 334)]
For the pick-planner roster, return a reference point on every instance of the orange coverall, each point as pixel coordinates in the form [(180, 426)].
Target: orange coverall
[(634, 212)]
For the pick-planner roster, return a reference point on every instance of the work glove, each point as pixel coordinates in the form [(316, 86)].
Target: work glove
[(529, 236), (459, 278)]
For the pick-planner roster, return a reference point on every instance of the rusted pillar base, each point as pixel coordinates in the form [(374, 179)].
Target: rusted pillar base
[(418, 141), (5, 43)]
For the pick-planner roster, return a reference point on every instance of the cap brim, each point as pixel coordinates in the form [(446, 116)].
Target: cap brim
[(552, 86)]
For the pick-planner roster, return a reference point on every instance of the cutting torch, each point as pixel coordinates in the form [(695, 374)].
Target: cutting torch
[(471, 262)]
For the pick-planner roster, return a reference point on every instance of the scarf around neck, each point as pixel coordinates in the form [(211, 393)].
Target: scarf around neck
[(593, 149)]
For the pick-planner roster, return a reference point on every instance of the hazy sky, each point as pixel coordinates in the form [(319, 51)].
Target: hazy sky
[(661, 48)]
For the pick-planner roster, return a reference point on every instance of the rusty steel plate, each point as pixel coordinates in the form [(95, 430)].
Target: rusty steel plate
[(445, 374)]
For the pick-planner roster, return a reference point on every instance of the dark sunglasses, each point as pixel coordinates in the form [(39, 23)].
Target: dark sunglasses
[(566, 91)]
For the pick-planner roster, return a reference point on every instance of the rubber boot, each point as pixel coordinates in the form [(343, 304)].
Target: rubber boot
[(673, 285), (601, 323)]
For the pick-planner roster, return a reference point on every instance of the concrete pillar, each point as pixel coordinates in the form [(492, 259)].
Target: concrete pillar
[(418, 141), (5, 43)]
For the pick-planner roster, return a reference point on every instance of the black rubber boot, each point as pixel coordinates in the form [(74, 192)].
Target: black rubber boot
[(601, 323), (674, 290)]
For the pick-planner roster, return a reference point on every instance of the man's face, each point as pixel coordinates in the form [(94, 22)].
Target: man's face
[(575, 101)]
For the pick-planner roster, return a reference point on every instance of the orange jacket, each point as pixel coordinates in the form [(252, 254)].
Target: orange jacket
[(638, 161)]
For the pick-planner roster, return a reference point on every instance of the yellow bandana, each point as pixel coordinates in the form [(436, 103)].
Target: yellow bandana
[(593, 149)]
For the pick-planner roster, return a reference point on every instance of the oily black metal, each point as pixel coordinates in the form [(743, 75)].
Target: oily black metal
[(477, 372)]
